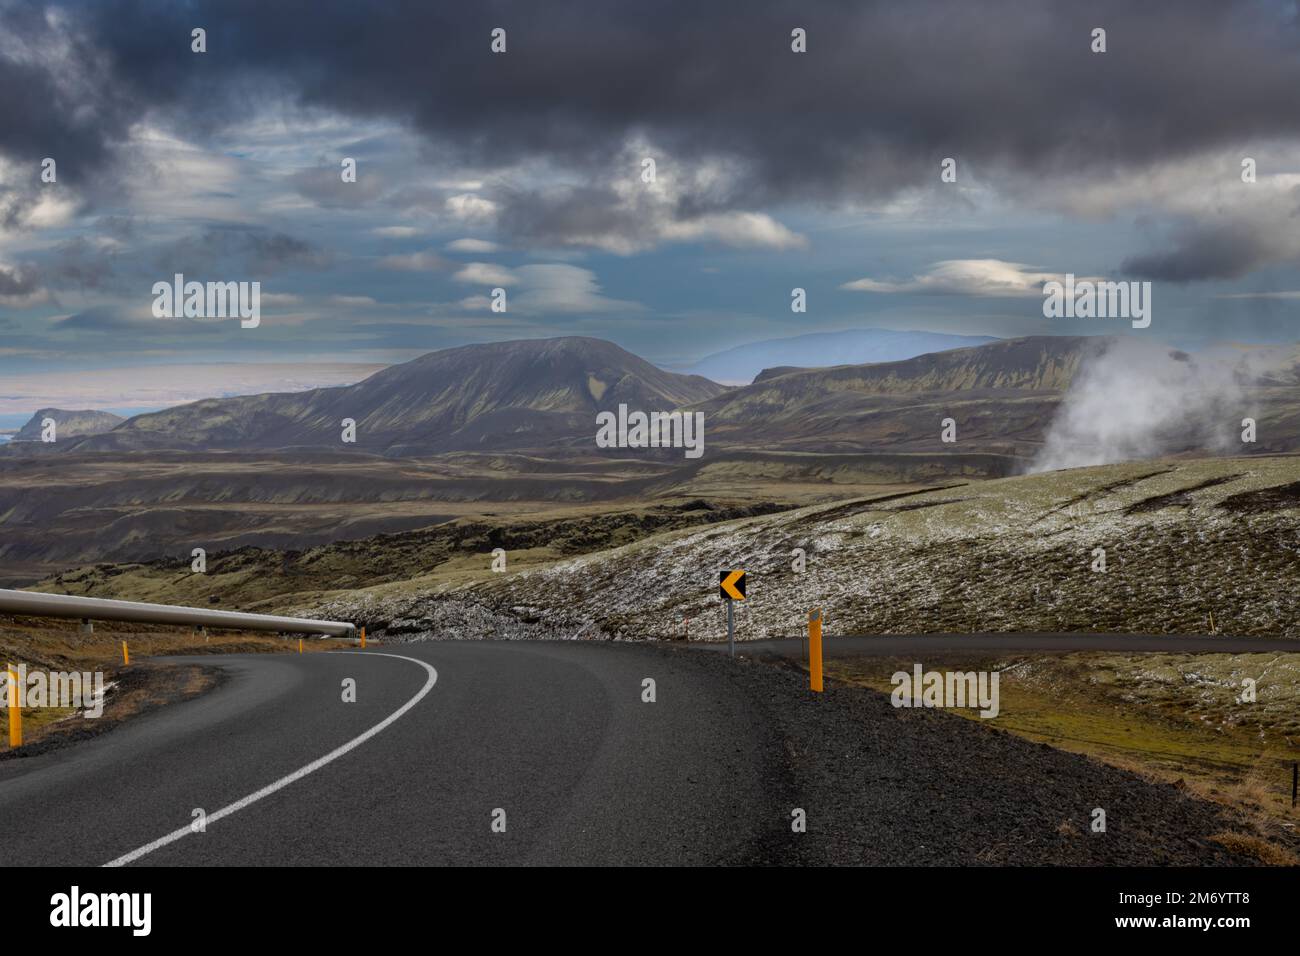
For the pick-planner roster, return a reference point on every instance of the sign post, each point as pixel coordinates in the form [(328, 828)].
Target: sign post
[(731, 628), (731, 585)]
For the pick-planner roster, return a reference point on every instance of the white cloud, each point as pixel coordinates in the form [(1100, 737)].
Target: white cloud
[(466, 207), (50, 210), (463, 185), (741, 229), (480, 246), (485, 273), (542, 288), (982, 277), (174, 179), (395, 232), (555, 287), (623, 214), (475, 303)]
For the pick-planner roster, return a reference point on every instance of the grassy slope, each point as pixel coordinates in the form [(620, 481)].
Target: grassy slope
[(1183, 538), (455, 552), (61, 511)]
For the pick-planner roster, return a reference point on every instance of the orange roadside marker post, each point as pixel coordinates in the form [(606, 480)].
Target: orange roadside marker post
[(300, 645), (815, 649), (15, 710), (363, 637), (126, 655)]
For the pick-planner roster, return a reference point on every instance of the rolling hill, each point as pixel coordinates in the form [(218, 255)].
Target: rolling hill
[(69, 424), (521, 395), (739, 365), (540, 397), (1002, 396)]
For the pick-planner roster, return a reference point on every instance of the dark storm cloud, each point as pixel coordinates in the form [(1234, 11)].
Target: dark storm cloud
[(241, 249), (552, 216), (225, 251), (16, 282), (52, 105), (885, 91), (83, 265), (119, 227), (912, 81), (1233, 243), (1209, 252)]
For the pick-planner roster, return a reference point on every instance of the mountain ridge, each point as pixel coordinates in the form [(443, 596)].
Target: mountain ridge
[(526, 393), (69, 423), (540, 398), (740, 365)]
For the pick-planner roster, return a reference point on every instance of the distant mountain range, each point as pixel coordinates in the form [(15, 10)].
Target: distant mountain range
[(68, 424), (740, 365), (1002, 397), (540, 398), (526, 394), (515, 422)]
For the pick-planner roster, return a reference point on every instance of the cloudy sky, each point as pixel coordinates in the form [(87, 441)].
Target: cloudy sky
[(523, 170)]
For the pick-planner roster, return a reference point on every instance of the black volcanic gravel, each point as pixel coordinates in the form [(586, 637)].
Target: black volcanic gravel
[(884, 785)]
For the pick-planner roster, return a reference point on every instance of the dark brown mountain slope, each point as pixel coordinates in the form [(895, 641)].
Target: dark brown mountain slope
[(1002, 396), (521, 395)]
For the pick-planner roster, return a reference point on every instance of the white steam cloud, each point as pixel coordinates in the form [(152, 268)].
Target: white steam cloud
[(1139, 400)]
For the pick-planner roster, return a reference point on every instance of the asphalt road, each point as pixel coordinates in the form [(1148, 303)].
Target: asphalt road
[(556, 734)]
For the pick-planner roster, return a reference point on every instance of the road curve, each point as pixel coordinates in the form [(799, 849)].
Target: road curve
[(559, 737), (555, 735)]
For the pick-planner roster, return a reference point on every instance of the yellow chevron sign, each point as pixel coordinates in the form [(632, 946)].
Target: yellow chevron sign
[(731, 585)]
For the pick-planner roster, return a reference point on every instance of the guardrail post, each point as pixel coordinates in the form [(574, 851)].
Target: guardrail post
[(15, 701), (815, 649)]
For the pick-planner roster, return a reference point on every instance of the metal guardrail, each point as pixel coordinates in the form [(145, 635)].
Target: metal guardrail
[(65, 605)]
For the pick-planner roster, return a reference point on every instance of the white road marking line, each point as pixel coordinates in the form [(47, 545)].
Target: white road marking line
[(297, 774)]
